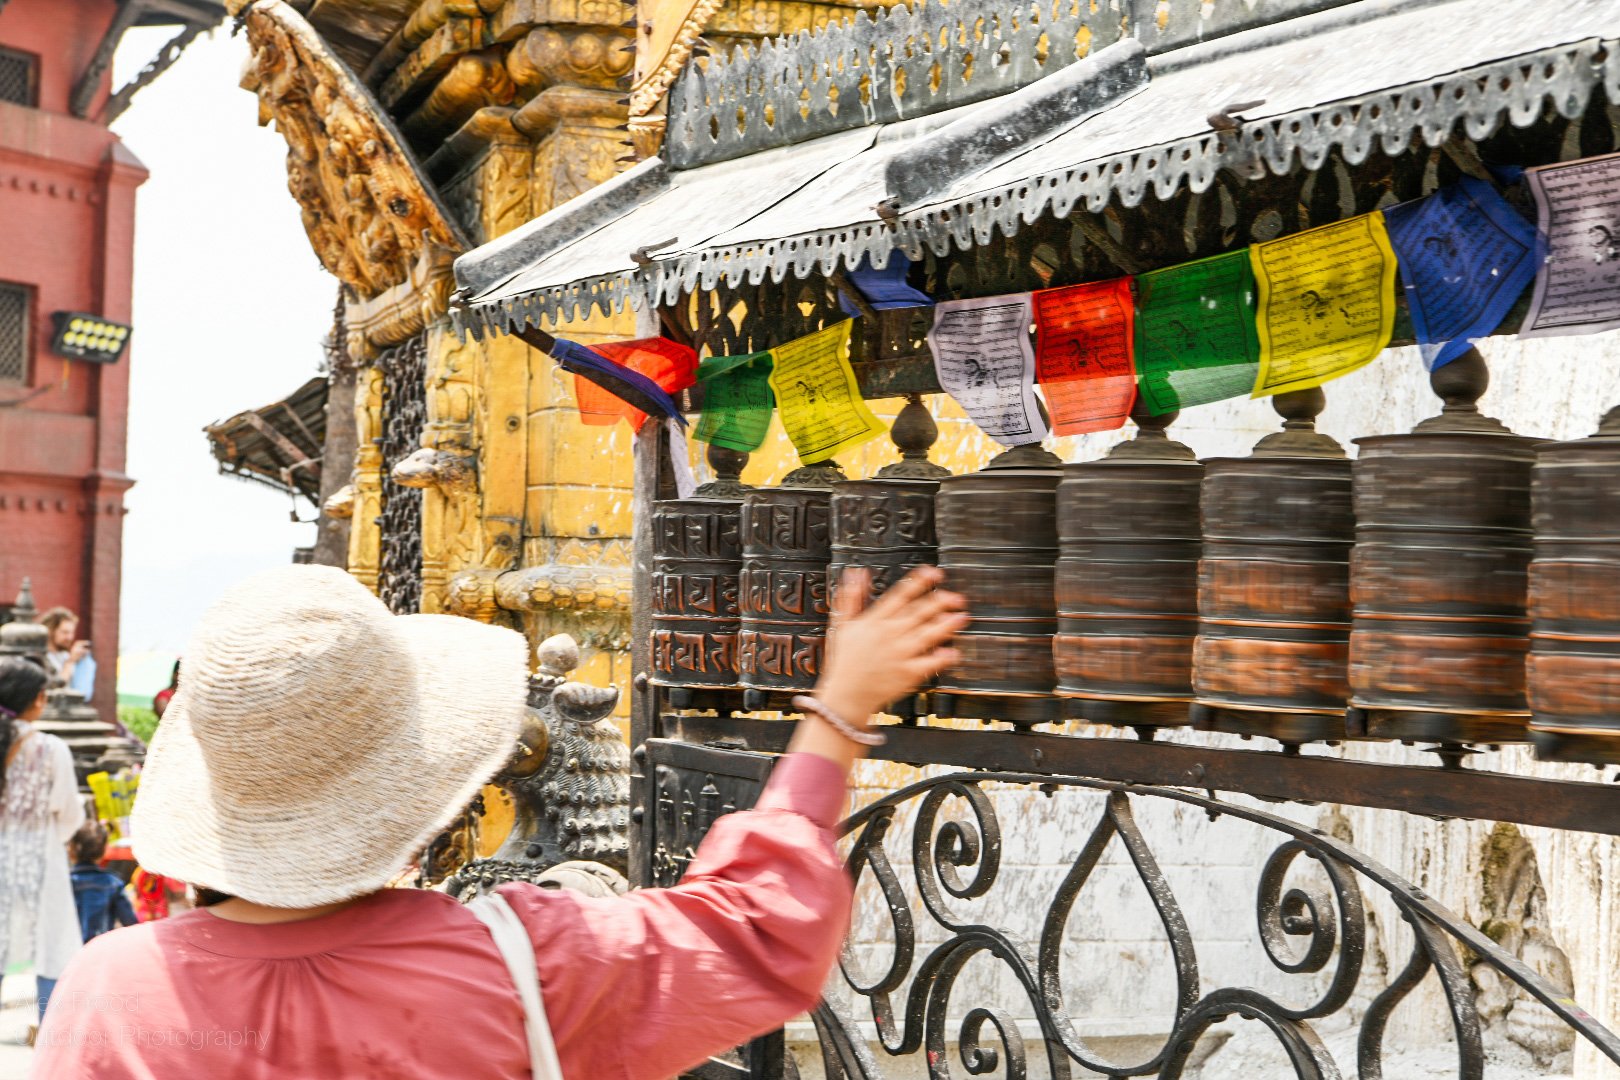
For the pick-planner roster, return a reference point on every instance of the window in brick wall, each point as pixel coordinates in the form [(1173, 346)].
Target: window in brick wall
[(13, 333), (19, 78)]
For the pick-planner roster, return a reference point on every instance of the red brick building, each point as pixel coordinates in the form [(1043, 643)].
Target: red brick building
[(67, 232)]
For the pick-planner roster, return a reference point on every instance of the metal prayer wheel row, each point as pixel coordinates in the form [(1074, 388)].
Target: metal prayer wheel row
[(1293, 593), (741, 588)]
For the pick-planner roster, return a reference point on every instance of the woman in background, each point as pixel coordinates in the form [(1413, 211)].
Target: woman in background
[(40, 810), (161, 701)]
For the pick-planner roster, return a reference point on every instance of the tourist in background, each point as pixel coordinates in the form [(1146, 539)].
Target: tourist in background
[(40, 809), (163, 696), (68, 657), (98, 893)]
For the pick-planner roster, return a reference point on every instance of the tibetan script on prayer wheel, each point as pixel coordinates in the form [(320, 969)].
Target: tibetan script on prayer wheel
[(1439, 573), (697, 562), (1574, 668), (1127, 580), (998, 546), (1274, 583), (885, 526), (783, 594)]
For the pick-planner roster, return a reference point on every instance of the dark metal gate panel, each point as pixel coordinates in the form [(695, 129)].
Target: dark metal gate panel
[(686, 789)]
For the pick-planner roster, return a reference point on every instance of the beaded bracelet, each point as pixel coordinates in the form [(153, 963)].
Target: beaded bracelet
[(807, 704)]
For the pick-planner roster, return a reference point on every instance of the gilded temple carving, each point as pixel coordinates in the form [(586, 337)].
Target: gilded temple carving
[(370, 216)]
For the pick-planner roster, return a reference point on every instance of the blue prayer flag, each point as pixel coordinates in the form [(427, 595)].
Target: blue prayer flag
[(884, 289), (1466, 255)]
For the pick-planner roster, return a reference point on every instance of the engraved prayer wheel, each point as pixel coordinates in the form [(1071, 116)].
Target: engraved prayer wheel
[(787, 542), (1574, 668), (1438, 577), (1274, 584), (885, 526), (1127, 580), (998, 546), (697, 563)]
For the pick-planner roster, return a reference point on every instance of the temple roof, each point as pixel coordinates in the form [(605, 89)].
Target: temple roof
[(279, 444), (791, 166)]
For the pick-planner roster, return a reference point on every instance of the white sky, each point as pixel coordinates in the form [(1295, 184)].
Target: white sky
[(230, 310)]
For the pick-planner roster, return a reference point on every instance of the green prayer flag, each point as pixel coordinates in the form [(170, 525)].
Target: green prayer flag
[(1196, 340), (737, 401)]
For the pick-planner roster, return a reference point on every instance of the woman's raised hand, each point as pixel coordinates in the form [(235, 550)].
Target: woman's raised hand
[(882, 650)]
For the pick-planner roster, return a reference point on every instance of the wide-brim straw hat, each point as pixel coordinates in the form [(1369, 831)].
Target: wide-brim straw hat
[(317, 741)]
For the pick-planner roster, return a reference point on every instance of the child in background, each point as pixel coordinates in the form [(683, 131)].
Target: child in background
[(156, 896), (98, 893)]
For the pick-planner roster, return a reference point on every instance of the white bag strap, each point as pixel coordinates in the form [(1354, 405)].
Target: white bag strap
[(518, 951)]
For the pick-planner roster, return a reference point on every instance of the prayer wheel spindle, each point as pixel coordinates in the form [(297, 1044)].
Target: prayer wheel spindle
[(998, 546), (1438, 575), (786, 535), (1274, 584), (1127, 580), (1574, 668)]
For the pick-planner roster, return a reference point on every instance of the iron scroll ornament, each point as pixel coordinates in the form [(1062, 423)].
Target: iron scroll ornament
[(1302, 929)]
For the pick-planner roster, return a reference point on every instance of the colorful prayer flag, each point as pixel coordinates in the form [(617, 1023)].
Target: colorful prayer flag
[(985, 360), (631, 386), (1327, 303), (670, 365), (1083, 355), (1466, 256), (737, 401), (1195, 337), (884, 289), (1578, 211), (818, 396)]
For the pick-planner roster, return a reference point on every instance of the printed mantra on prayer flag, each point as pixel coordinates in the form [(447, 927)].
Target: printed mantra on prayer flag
[(1466, 256), (737, 401), (1326, 303), (818, 396), (1195, 336), (984, 359), (1083, 361), (1578, 208)]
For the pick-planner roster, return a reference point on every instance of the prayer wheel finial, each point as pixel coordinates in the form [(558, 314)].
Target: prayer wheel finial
[(1299, 437), (915, 433), (1152, 442), (1610, 424), (823, 474), (728, 465), (1460, 384)]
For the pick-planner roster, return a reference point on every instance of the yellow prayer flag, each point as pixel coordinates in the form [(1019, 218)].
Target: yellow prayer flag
[(817, 396), (1326, 303)]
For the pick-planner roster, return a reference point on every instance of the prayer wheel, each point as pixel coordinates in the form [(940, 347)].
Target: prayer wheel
[(884, 526), (1438, 577), (998, 546), (1274, 584), (1127, 580), (787, 538), (697, 563), (1574, 668)]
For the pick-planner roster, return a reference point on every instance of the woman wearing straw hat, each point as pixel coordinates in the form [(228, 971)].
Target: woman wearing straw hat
[(317, 742), (39, 810)]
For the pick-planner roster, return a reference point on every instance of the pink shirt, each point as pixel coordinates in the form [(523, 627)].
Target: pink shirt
[(408, 984)]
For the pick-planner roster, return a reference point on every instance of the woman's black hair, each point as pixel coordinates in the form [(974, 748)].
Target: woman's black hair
[(20, 684)]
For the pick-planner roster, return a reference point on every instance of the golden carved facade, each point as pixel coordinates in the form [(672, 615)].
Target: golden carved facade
[(470, 118)]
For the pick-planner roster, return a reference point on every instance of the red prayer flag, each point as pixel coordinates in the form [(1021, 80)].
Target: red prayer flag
[(1085, 355), (672, 366)]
